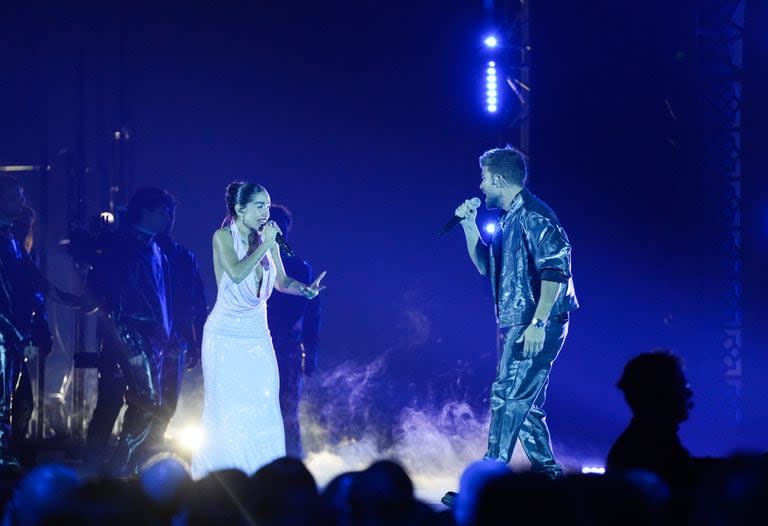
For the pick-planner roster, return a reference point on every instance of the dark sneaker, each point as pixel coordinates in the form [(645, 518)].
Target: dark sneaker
[(449, 499)]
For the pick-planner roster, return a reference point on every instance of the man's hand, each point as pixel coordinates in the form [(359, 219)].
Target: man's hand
[(533, 337), (467, 212)]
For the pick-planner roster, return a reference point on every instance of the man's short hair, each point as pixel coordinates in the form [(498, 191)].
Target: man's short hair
[(148, 198), (507, 162)]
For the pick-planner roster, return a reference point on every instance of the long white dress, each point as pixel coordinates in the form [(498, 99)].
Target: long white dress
[(241, 424)]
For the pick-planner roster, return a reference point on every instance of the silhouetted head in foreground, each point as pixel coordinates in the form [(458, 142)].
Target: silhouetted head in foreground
[(656, 388)]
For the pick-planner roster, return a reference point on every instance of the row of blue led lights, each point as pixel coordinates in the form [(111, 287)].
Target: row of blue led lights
[(491, 78), (491, 43)]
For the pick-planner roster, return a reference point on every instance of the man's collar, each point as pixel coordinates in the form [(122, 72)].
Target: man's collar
[(141, 234), (517, 203)]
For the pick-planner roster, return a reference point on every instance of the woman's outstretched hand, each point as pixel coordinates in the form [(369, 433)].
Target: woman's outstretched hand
[(312, 290)]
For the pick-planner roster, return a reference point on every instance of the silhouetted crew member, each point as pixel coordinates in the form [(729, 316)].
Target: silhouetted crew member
[(657, 392)]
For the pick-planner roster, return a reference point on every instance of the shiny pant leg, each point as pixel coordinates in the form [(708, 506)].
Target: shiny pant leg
[(172, 373), (10, 363), (23, 396), (291, 382), (111, 396), (23, 405), (535, 439), (140, 361), (517, 396)]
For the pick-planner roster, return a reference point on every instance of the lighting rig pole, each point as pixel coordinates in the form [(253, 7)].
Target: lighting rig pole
[(519, 79), (508, 45), (720, 42)]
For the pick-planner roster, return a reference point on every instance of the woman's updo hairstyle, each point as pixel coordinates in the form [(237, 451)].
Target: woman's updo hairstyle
[(239, 193)]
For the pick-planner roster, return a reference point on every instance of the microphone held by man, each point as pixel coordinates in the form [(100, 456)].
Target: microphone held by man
[(468, 209)]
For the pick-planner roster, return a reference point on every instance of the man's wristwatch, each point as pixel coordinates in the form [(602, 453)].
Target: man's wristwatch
[(538, 323)]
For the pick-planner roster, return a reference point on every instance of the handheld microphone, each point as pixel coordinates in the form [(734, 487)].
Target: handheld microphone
[(455, 220), (284, 245)]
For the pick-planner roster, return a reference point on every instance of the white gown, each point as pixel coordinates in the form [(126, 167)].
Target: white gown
[(241, 424)]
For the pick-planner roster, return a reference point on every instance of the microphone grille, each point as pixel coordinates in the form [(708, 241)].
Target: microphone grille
[(475, 201)]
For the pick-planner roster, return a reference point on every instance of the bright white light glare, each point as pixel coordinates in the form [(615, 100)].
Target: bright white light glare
[(17, 168), (599, 470), (490, 228), (491, 88), (107, 217), (188, 438), (491, 41)]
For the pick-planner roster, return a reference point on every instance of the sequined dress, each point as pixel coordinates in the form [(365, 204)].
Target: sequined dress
[(241, 423)]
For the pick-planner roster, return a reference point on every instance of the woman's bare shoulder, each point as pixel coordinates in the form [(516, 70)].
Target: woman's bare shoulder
[(221, 234), (222, 238)]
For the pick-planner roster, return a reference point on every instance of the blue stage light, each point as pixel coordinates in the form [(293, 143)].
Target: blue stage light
[(490, 228), (491, 41)]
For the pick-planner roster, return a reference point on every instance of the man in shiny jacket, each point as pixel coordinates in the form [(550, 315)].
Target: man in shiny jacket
[(130, 284), (22, 321), (529, 265), (13, 274), (190, 310), (39, 339)]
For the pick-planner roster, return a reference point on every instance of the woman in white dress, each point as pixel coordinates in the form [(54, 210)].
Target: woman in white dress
[(242, 425)]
